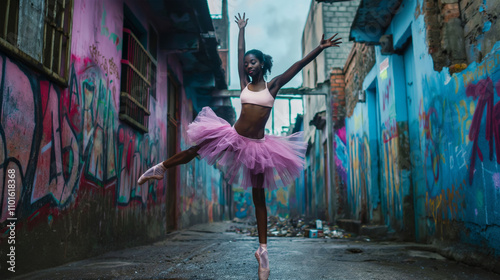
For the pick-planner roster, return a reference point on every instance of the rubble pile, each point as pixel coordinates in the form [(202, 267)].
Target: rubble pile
[(292, 227)]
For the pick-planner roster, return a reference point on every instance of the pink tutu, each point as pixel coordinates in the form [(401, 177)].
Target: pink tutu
[(280, 155)]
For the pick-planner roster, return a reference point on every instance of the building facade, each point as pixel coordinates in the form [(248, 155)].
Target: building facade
[(329, 19), (421, 137), (92, 94)]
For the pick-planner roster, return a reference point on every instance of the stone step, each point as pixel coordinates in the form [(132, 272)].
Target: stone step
[(374, 231), (349, 225)]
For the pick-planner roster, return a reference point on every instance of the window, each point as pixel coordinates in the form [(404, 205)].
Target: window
[(38, 33), (138, 77)]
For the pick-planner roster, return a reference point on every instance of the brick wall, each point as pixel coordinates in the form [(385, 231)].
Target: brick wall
[(337, 83), (445, 34), (327, 18), (337, 18), (481, 27), (359, 63), (460, 31)]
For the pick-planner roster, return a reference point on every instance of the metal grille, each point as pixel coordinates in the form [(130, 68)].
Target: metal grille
[(138, 79)]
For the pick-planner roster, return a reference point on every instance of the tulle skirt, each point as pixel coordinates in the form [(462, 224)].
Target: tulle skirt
[(277, 157)]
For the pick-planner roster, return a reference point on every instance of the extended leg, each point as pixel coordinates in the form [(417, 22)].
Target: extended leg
[(259, 200), (182, 157), (157, 172)]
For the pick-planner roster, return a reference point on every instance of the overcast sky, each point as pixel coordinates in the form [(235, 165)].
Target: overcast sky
[(275, 27)]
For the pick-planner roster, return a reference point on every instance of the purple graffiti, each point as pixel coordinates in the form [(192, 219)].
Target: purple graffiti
[(483, 91)]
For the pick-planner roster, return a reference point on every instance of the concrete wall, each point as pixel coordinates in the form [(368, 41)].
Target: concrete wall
[(438, 158), (314, 71), (76, 164)]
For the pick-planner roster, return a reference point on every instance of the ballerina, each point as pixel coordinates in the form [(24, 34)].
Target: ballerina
[(243, 149)]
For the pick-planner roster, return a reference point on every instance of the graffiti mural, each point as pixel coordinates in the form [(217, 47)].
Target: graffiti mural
[(363, 160), (360, 179), (460, 150), (202, 185), (243, 203), (63, 140), (341, 161), (342, 169)]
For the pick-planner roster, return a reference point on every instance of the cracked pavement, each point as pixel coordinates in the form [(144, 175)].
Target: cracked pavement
[(207, 251)]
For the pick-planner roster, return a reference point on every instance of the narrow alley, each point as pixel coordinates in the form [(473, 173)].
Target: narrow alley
[(145, 139), (209, 251)]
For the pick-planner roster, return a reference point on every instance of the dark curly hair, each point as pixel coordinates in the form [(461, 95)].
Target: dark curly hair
[(265, 59)]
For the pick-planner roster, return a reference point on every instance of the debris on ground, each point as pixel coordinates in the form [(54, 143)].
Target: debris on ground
[(291, 227)]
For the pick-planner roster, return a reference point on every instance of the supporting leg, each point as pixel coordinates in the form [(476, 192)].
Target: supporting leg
[(259, 200)]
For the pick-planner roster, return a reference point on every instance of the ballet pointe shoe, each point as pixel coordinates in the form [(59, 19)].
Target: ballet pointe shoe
[(155, 172), (263, 272)]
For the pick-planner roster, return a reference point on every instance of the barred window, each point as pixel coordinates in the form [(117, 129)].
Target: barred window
[(39, 34), (138, 76)]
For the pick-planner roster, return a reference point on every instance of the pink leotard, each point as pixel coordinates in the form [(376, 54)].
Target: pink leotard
[(262, 98)]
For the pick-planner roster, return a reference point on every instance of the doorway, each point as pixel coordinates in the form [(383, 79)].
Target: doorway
[(172, 144)]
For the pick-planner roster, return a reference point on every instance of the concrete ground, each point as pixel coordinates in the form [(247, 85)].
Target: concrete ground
[(207, 251)]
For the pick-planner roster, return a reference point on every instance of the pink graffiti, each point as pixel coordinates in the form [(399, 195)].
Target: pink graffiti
[(496, 180), (62, 141), (430, 149), (390, 132), (53, 175), (386, 95), (135, 155)]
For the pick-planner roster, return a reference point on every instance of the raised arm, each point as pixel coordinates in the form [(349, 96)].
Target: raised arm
[(279, 81), (242, 23)]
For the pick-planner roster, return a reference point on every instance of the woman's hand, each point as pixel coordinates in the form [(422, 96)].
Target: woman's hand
[(241, 21), (323, 44)]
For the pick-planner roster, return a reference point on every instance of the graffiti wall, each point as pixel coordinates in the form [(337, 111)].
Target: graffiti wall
[(460, 155), (363, 194), (439, 141), (279, 202), (342, 169), (76, 164), (456, 167), (203, 189)]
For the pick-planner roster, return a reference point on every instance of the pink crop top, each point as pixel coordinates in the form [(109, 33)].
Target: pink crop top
[(262, 98)]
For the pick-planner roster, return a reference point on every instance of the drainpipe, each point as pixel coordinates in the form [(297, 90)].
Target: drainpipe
[(332, 205)]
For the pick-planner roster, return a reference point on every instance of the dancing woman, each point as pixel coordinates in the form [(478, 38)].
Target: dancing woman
[(243, 149)]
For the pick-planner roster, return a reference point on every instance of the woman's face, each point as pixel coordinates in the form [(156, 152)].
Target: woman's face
[(252, 65)]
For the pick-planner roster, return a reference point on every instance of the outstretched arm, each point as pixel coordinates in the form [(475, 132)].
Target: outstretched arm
[(281, 80), (242, 23)]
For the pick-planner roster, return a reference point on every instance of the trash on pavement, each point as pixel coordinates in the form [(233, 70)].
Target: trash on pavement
[(291, 227)]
